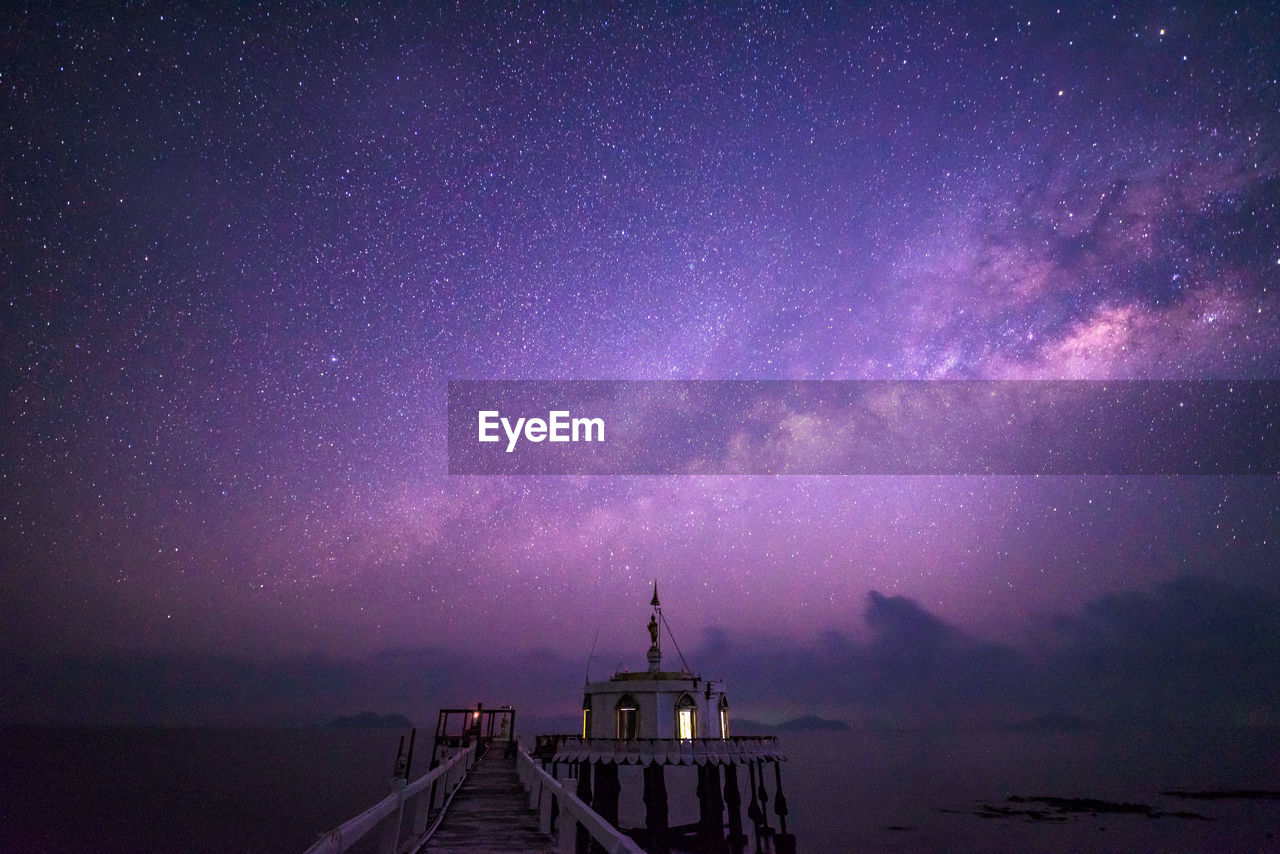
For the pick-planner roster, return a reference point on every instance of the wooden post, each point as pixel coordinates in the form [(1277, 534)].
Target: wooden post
[(764, 834), (717, 804), (710, 807), (703, 807), (780, 800), (733, 803), (408, 760), (554, 771), (605, 792), (582, 844), (656, 814), (785, 842), (437, 749), (753, 809), (604, 796)]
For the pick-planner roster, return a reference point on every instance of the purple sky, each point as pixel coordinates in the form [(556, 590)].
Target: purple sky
[(245, 251)]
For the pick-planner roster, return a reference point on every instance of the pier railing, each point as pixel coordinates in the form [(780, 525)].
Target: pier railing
[(664, 751), (428, 792), (569, 813)]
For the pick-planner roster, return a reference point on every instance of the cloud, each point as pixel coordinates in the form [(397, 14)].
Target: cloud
[(913, 669), (1191, 652)]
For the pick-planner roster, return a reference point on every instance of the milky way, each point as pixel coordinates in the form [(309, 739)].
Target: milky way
[(246, 250)]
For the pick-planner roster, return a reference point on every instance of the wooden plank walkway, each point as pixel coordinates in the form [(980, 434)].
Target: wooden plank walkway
[(491, 813)]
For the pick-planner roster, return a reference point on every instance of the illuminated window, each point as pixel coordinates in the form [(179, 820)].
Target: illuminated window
[(628, 717), (586, 716), (724, 716), (686, 717)]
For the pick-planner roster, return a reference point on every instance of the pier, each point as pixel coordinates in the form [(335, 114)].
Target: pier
[(482, 793), (490, 813)]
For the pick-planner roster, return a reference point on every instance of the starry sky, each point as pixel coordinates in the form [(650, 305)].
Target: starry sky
[(246, 249)]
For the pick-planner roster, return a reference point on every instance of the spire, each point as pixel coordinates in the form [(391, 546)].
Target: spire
[(655, 603)]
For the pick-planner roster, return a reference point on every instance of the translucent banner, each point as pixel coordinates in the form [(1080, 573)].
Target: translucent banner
[(733, 427)]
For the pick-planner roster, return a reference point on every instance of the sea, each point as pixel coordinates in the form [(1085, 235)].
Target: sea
[(262, 791)]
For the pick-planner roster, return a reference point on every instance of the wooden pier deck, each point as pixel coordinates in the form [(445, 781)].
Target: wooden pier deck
[(490, 813)]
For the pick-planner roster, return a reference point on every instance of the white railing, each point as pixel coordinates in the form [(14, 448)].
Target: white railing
[(543, 788), (664, 751), (391, 809)]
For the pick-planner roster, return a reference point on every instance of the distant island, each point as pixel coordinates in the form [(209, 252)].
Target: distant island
[(808, 723), (370, 720), (1055, 722)]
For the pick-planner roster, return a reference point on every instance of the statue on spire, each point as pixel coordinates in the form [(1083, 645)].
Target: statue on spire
[(654, 618), (655, 650)]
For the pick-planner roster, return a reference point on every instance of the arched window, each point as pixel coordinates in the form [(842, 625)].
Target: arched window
[(586, 716), (724, 716), (628, 717), (686, 717)]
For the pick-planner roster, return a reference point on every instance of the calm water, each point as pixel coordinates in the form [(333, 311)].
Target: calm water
[(256, 790), (223, 791), (924, 791)]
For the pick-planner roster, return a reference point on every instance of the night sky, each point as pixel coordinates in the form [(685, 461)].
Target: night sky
[(245, 250)]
